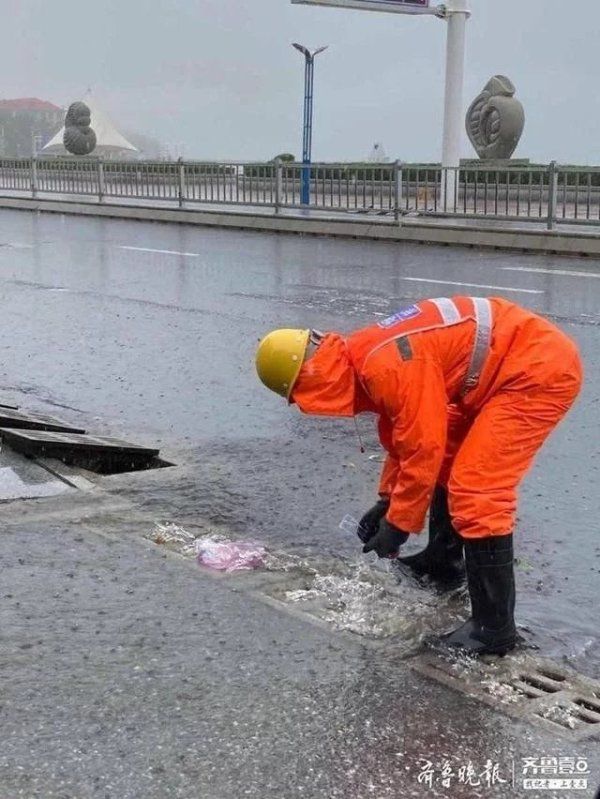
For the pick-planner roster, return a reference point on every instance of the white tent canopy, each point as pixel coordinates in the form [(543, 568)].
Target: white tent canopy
[(110, 142)]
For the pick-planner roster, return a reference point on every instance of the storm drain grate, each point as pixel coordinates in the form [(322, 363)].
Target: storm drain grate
[(95, 453), (528, 688), (15, 419)]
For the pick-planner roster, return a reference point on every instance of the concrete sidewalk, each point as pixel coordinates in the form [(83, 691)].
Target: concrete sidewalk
[(129, 672)]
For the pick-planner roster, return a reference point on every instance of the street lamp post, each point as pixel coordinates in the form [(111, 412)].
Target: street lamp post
[(309, 68), (456, 13)]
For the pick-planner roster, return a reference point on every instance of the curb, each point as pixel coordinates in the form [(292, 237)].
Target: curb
[(553, 242)]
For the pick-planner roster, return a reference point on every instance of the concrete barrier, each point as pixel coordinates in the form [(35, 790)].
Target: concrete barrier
[(469, 233)]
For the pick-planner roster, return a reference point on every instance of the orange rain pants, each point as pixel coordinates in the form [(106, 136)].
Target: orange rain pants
[(479, 444)]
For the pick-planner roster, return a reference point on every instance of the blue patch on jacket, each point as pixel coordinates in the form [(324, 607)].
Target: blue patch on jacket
[(400, 316)]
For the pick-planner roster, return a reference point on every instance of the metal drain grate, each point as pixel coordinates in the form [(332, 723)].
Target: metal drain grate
[(524, 687), (538, 684), (95, 453), (16, 419)]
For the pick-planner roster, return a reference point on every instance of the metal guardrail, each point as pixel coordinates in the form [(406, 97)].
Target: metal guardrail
[(546, 194)]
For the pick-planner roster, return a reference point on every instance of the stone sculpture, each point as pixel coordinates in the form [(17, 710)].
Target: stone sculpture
[(79, 137), (495, 120)]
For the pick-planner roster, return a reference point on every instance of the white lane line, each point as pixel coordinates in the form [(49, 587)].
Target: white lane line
[(472, 285), (541, 271), (162, 252)]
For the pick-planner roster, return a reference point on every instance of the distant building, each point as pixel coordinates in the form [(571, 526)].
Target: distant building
[(26, 125), (378, 154)]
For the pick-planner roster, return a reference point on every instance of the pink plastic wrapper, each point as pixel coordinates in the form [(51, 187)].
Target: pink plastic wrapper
[(230, 556)]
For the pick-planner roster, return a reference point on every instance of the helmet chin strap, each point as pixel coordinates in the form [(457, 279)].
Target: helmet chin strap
[(314, 339), (360, 441)]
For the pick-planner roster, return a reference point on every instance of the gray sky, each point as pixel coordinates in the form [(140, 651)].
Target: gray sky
[(220, 79)]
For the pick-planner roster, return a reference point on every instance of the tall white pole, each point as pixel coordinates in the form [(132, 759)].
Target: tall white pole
[(457, 13)]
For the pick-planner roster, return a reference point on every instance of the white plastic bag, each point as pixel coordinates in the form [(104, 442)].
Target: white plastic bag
[(223, 555)]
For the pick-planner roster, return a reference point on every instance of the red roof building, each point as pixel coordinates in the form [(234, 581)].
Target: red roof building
[(28, 104), (26, 125)]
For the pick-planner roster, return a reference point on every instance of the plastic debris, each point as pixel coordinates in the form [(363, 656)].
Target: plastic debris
[(174, 537), (222, 555), (214, 551), (349, 524)]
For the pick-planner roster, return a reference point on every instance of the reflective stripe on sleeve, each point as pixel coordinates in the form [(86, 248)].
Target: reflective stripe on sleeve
[(481, 345), (448, 310)]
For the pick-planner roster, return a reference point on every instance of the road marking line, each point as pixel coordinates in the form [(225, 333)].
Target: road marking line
[(163, 252), (541, 271), (471, 285)]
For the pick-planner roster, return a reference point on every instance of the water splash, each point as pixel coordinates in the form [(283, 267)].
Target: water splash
[(365, 599), (351, 603), (560, 715), (174, 537), (213, 550)]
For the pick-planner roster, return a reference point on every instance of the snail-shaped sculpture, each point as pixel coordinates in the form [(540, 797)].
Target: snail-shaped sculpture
[(79, 137), (495, 120)]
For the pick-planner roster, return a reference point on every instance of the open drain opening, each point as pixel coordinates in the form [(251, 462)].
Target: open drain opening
[(561, 716), (586, 717), (556, 676), (525, 689), (113, 464), (571, 716), (540, 682), (590, 708)]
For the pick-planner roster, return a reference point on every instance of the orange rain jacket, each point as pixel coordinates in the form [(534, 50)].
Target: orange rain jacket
[(479, 440)]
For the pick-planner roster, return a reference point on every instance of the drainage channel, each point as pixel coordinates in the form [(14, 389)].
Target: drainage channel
[(35, 446), (391, 612), (347, 595)]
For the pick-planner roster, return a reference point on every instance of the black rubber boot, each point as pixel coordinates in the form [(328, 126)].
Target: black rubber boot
[(491, 581), (442, 558)]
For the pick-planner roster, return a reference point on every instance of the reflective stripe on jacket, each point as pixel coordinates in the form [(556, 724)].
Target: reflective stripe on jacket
[(429, 362)]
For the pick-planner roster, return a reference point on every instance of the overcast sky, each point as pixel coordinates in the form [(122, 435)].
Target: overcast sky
[(219, 79)]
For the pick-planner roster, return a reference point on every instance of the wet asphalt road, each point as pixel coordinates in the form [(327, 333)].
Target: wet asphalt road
[(127, 673), (149, 330)]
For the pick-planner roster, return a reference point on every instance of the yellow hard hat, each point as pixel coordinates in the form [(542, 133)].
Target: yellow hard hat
[(279, 358)]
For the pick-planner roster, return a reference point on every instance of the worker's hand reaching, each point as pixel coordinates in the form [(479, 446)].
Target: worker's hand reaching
[(387, 541), (369, 524)]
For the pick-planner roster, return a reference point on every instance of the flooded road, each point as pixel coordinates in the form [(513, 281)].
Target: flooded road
[(149, 331)]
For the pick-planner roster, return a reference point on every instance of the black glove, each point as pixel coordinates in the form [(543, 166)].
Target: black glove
[(387, 541), (369, 524)]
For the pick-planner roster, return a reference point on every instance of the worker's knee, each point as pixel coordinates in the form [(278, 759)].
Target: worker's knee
[(480, 513)]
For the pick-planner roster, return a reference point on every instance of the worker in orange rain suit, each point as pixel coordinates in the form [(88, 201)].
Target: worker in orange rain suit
[(467, 390)]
